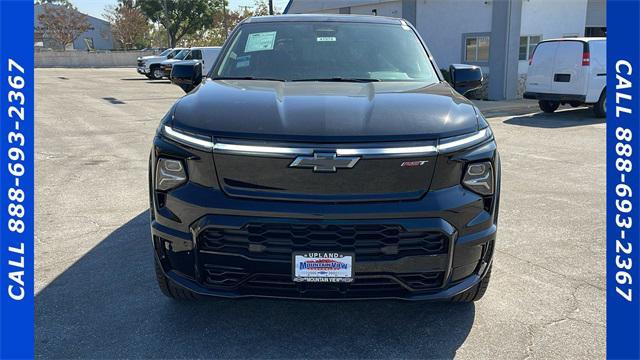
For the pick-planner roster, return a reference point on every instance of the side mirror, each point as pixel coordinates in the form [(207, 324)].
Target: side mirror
[(186, 76), (465, 78)]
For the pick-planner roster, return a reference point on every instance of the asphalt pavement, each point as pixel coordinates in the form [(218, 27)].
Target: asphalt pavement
[(96, 295)]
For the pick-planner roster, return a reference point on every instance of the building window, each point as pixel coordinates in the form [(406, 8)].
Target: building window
[(88, 41), (527, 44), (591, 31), (476, 48)]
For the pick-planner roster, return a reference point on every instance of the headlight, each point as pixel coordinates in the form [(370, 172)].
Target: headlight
[(169, 174), (478, 177), (200, 142), (464, 141)]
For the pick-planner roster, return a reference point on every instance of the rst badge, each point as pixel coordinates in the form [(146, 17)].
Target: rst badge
[(413, 163)]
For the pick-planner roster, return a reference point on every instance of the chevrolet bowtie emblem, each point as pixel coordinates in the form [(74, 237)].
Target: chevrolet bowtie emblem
[(324, 162)]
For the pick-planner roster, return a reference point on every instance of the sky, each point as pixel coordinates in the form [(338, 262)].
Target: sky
[(96, 7)]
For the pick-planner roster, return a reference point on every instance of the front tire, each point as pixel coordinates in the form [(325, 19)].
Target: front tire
[(156, 72), (548, 106), (475, 293), (600, 108), (169, 289)]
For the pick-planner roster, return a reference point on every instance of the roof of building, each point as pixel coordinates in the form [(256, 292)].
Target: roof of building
[(40, 8), (324, 17)]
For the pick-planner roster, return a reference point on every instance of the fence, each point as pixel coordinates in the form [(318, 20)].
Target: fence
[(82, 59)]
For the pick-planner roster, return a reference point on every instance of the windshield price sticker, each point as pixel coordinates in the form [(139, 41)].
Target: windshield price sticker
[(260, 41)]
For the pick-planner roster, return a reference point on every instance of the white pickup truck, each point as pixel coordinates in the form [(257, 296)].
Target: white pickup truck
[(149, 66)]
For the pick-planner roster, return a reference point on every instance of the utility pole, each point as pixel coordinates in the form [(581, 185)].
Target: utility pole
[(166, 16), (270, 7), (224, 18)]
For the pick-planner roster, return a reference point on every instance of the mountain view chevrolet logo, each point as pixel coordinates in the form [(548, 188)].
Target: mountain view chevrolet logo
[(324, 162)]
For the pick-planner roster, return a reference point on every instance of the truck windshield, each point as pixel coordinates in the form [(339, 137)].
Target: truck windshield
[(326, 51), (165, 53), (182, 54)]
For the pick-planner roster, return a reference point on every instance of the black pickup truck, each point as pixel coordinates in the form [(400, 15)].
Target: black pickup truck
[(324, 157)]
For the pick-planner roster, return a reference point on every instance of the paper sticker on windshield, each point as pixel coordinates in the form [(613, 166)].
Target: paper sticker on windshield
[(243, 61), (325, 38), (260, 41)]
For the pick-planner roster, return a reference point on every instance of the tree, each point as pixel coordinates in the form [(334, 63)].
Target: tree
[(63, 3), (129, 25), (179, 17), (262, 8), (62, 23)]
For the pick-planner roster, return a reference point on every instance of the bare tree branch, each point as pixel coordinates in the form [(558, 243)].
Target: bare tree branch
[(62, 24)]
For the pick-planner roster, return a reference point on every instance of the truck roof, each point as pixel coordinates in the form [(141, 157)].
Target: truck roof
[(325, 17), (582, 39)]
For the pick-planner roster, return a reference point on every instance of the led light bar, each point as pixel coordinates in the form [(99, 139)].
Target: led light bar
[(187, 139), (444, 146), (461, 143)]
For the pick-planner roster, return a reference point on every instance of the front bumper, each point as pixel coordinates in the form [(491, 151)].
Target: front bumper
[(143, 70), (167, 70), (429, 249)]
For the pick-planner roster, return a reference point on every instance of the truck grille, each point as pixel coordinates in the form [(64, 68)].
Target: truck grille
[(277, 241), (372, 285), (140, 63)]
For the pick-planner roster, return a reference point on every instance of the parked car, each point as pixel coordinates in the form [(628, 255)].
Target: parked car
[(149, 66), (166, 64), (205, 55), (325, 157), (568, 71)]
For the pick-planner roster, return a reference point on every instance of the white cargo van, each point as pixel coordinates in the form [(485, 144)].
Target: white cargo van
[(206, 55), (568, 71)]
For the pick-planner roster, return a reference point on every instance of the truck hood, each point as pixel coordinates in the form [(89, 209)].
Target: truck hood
[(170, 61), (325, 111), (151, 57)]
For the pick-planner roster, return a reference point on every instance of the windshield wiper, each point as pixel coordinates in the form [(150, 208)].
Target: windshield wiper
[(245, 78), (340, 79)]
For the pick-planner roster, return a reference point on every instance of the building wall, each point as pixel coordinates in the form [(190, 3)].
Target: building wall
[(442, 24), (391, 9), (326, 6), (100, 32), (325, 11), (552, 19), (597, 13), (84, 59)]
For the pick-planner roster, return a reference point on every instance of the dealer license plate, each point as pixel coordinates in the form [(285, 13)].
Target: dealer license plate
[(320, 266)]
